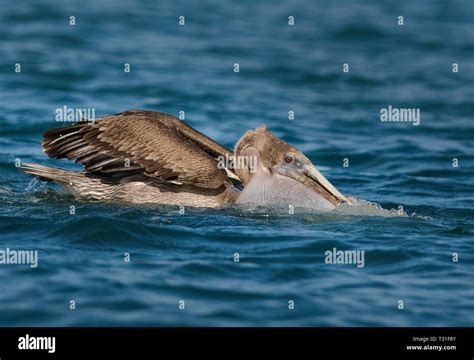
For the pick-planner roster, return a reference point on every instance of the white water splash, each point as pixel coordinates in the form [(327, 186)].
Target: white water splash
[(362, 207), (35, 185)]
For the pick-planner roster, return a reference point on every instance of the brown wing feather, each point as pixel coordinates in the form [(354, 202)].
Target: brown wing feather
[(155, 144)]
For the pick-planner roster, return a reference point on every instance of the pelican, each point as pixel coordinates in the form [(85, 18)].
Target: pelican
[(151, 157)]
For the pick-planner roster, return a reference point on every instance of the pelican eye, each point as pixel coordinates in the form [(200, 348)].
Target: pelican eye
[(289, 159)]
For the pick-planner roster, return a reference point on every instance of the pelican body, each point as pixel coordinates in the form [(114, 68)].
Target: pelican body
[(150, 157)]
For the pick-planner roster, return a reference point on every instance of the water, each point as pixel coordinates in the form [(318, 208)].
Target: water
[(190, 257)]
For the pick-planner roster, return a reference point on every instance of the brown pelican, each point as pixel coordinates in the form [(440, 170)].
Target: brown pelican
[(151, 157)]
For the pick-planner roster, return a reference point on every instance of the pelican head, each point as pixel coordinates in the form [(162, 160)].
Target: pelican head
[(278, 173)]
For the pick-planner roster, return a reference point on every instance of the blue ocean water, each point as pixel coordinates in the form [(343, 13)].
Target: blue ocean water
[(425, 169)]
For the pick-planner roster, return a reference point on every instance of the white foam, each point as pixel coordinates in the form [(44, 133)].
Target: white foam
[(362, 207)]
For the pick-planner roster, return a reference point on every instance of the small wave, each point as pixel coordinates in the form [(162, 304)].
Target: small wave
[(358, 208), (362, 207), (360, 32), (458, 230)]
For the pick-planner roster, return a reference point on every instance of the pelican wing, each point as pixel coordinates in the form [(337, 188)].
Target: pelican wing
[(144, 142)]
